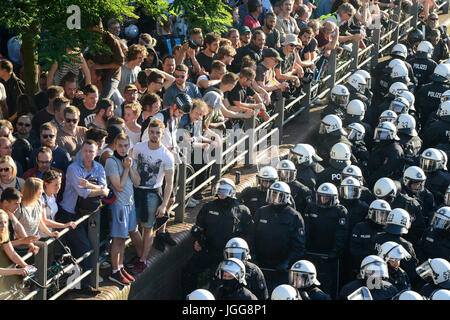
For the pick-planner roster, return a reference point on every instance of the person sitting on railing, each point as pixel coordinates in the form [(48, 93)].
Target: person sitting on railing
[(287, 70), (9, 251), (328, 30)]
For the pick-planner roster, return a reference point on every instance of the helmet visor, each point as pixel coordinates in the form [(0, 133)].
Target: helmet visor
[(415, 186), (238, 253), (350, 192), (325, 200), (299, 279), (379, 216), (424, 270), (440, 221), (398, 107), (397, 253), (381, 134), (376, 269), (341, 99), (276, 197), (263, 183), (323, 128), (354, 135), (428, 165), (287, 175), (224, 189), (447, 199)]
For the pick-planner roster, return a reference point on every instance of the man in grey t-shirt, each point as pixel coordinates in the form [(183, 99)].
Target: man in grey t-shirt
[(122, 174)]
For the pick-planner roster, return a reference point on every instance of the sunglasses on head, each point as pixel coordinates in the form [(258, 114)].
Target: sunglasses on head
[(4, 169), (71, 120), (46, 136), (21, 124)]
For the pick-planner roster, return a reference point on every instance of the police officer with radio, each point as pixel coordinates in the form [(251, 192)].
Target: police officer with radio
[(217, 222)]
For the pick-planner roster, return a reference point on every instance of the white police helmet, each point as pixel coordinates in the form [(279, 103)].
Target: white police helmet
[(397, 87), (366, 76), (357, 82), (350, 188), (352, 171), (373, 267), (399, 50), (285, 292), (233, 266), (340, 155), (441, 219), (408, 295), (398, 221), (356, 131), (441, 73), (279, 193), (395, 62), (327, 195), (414, 179), (399, 71), (431, 159), (444, 159), (356, 108), (438, 270), (378, 211), (315, 157), (300, 154), (410, 97), (407, 124), (200, 294), (447, 196), (237, 248), (440, 294), (443, 111), (131, 32), (287, 172), (445, 96), (266, 176), (399, 105), (391, 250), (331, 123), (385, 131), (225, 187), (424, 50), (340, 95), (303, 274), (385, 188), (388, 115)]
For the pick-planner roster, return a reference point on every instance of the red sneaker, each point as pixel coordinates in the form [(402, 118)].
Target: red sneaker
[(119, 278), (127, 275), (139, 267)]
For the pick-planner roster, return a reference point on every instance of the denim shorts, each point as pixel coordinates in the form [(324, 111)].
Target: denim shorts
[(123, 220), (146, 205)]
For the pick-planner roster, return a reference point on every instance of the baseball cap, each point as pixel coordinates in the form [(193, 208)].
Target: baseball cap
[(129, 87), (271, 53), (213, 99), (183, 102), (290, 39), (244, 29)]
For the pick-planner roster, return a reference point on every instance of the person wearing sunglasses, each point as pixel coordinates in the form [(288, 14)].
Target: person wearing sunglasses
[(25, 141), (433, 23), (180, 86), (8, 174), (6, 150), (71, 136)]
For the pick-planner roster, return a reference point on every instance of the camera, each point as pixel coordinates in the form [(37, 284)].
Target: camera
[(307, 76), (192, 43)]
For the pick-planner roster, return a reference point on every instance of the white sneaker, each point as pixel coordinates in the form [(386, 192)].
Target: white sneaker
[(191, 203)]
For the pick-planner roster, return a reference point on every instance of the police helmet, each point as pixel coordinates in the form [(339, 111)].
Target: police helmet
[(315, 157), (408, 295), (385, 188), (356, 108), (431, 159), (385, 131), (441, 73), (265, 177), (447, 196), (352, 171), (441, 219), (378, 211), (279, 193), (410, 97), (391, 250), (358, 82), (438, 270), (393, 63), (444, 161), (233, 266), (398, 221), (183, 102), (226, 187), (303, 274), (327, 195), (200, 294), (387, 115), (399, 71), (406, 124), (285, 292), (356, 131), (350, 188), (440, 294), (445, 96), (399, 50), (415, 36), (340, 155), (373, 267), (396, 88), (399, 105), (300, 154), (414, 179), (286, 171), (365, 75), (443, 111), (424, 50), (340, 95), (237, 248), (331, 123)]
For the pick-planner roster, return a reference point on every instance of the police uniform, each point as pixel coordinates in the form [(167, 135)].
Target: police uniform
[(385, 291), (354, 94), (426, 202), (240, 293), (435, 243), (301, 195), (313, 293), (367, 127), (331, 174), (435, 133), (423, 69), (429, 288), (428, 99), (307, 174), (411, 147), (333, 108), (253, 198), (386, 160), (399, 278), (327, 141), (437, 182)]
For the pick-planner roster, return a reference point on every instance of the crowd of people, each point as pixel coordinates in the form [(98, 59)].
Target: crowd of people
[(104, 135)]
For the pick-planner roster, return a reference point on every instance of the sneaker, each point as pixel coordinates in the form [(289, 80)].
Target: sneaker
[(132, 262), (191, 203), (139, 267), (119, 278), (127, 275), (168, 239), (158, 243)]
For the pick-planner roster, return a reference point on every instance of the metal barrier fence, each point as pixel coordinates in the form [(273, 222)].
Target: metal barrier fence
[(336, 72)]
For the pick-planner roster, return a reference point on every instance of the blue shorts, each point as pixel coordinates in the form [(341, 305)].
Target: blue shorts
[(151, 201), (123, 220)]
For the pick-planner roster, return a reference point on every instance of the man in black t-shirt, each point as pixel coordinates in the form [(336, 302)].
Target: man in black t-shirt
[(47, 114), (87, 109), (206, 57)]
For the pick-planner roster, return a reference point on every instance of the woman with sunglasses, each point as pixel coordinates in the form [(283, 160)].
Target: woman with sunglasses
[(52, 184), (8, 174)]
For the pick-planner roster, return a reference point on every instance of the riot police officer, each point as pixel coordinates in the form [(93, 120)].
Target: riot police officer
[(278, 235), (435, 272), (340, 155), (435, 242), (366, 75), (413, 39), (238, 248), (327, 230), (422, 63), (355, 171), (399, 73), (373, 270), (357, 85), (217, 222), (285, 292), (432, 163), (200, 294), (355, 113), (349, 195), (302, 156), (303, 277), (255, 197), (356, 135), (339, 98), (393, 254), (231, 274), (409, 138), (437, 132), (330, 133)]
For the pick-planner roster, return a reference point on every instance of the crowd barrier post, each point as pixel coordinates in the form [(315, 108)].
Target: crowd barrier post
[(249, 130), (415, 14), (355, 55), (41, 272), (279, 109), (94, 238), (376, 47), (331, 69), (306, 103), (445, 8), (181, 193), (398, 18)]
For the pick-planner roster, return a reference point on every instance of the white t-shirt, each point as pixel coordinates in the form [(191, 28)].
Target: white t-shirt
[(151, 164), (135, 137), (51, 207)]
